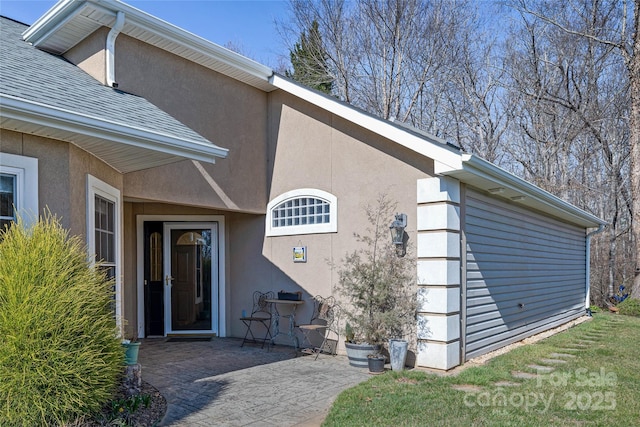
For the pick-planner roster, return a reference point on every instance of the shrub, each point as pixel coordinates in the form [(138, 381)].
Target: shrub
[(59, 352), (377, 283), (630, 307)]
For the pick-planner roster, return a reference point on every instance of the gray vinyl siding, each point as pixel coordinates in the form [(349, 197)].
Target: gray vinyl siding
[(515, 256)]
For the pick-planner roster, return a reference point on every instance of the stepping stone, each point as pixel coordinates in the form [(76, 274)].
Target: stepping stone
[(553, 361), (466, 387), (524, 375), (556, 355), (542, 369), (506, 384), (572, 349)]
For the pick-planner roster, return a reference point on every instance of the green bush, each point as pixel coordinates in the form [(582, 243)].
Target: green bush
[(59, 352), (630, 307)]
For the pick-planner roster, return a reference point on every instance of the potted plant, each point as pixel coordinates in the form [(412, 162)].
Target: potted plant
[(131, 348), (130, 344), (378, 282)]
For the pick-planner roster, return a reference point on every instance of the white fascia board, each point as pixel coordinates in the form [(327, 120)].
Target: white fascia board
[(65, 10), (32, 112), (483, 169), (52, 20), (189, 40), (421, 145)]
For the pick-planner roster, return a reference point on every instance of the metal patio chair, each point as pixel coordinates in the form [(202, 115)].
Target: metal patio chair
[(261, 315), (323, 327)]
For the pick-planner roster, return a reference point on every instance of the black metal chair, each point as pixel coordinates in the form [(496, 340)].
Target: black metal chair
[(323, 327), (260, 314)]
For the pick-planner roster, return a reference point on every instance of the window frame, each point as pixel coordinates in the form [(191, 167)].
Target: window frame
[(291, 230), (25, 169), (96, 187)]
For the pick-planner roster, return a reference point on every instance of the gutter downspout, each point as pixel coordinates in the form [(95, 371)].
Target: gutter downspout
[(111, 50), (588, 267)]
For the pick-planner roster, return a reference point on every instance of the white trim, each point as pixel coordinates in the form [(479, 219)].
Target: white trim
[(102, 189), (26, 171), (61, 13), (215, 279), (330, 227), (97, 127), (438, 299), (587, 302), (485, 175), (438, 244), (222, 297), (438, 355), (438, 327)]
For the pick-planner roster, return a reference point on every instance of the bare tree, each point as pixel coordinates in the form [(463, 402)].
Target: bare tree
[(615, 27), (554, 98), (384, 56)]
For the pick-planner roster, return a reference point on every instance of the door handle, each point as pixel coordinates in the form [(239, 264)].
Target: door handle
[(168, 280)]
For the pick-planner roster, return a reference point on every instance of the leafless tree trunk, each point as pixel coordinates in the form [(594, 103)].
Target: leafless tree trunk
[(557, 101), (617, 29)]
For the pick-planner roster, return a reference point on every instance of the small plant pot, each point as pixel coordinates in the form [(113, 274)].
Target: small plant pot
[(376, 364), (131, 352)]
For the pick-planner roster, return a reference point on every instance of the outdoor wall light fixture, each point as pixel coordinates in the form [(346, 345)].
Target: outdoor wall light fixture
[(397, 233)]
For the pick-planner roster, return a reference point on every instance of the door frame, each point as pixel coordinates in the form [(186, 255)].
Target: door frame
[(222, 298), (169, 226)]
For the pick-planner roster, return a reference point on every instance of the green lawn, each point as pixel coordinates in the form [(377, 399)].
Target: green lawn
[(598, 386)]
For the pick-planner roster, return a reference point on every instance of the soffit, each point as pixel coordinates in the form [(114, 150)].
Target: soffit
[(69, 22), (124, 148), (486, 176)]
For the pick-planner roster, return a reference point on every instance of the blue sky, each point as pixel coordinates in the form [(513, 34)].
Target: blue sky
[(248, 24)]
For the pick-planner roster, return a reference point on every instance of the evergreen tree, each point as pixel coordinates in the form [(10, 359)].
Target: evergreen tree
[(309, 61)]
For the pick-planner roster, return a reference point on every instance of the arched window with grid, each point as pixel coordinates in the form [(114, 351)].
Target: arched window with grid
[(302, 211)]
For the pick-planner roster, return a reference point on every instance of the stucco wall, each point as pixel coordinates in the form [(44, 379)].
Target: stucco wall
[(277, 143), (230, 114), (311, 148), (62, 175), (89, 55), (246, 269)]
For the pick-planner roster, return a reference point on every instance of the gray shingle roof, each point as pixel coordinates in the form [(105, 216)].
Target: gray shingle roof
[(36, 76)]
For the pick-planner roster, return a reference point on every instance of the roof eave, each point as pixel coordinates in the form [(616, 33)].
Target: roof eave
[(65, 10), (64, 120), (489, 177), (51, 20)]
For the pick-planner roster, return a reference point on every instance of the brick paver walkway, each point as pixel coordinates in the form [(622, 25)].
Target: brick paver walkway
[(218, 383)]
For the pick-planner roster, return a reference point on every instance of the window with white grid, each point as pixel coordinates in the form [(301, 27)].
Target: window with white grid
[(303, 211), (103, 234), (18, 188)]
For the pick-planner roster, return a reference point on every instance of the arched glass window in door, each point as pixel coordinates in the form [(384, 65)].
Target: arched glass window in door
[(191, 284)]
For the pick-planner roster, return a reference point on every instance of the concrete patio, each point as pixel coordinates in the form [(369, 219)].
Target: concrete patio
[(219, 383)]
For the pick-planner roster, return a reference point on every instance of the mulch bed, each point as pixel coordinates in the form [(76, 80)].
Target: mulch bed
[(142, 417)]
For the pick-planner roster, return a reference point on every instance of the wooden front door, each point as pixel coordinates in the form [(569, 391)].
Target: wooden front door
[(191, 271)]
